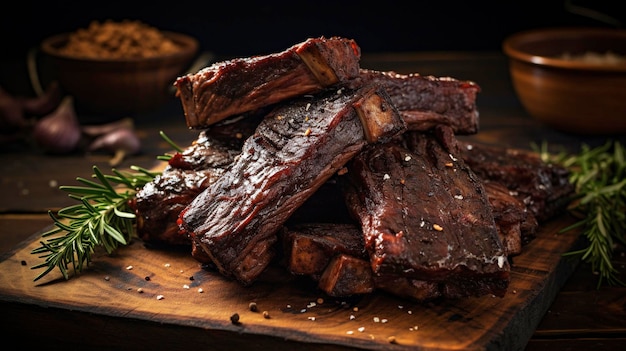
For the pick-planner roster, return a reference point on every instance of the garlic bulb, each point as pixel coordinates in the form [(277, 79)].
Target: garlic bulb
[(59, 131)]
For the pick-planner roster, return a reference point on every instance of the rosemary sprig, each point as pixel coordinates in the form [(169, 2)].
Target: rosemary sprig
[(102, 218), (599, 177)]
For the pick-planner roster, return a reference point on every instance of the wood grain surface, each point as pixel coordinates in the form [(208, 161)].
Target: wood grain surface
[(169, 287)]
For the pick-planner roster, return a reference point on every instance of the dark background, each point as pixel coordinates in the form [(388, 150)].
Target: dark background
[(236, 28)]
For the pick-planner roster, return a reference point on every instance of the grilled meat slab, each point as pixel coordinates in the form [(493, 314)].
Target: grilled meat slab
[(309, 247), (426, 101), (295, 149), (543, 187), (236, 86), (426, 216), (158, 204), (333, 254)]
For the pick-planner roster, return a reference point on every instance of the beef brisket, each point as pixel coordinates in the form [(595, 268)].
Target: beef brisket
[(236, 86), (426, 101), (418, 214), (347, 275), (425, 215), (543, 187), (309, 247), (295, 149), (333, 254), (516, 225), (240, 85), (158, 204)]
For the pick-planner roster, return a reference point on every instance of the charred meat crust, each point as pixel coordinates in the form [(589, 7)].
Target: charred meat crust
[(158, 204), (543, 187), (295, 149), (239, 85), (426, 101), (426, 216)]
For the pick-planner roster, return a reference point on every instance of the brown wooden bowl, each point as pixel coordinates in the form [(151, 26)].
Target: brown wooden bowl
[(564, 79), (118, 86)]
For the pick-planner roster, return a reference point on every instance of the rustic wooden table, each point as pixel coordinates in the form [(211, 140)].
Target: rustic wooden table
[(581, 317)]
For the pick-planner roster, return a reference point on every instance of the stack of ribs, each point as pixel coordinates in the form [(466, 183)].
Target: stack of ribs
[(349, 176)]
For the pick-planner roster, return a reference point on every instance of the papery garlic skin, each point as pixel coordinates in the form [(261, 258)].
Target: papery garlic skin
[(120, 139), (121, 142)]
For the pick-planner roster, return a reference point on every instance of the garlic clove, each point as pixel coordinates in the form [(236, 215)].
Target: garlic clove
[(59, 131), (121, 142), (100, 129)]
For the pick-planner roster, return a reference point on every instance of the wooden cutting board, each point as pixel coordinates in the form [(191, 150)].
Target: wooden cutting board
[(168, 287)]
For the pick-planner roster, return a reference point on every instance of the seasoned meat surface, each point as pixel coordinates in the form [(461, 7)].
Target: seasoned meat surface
[(544, 187), (295, 150), (425, 215), (158, 204), (236, 86), (426, 101)]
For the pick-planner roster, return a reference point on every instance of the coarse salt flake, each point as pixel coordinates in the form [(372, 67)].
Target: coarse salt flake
[(386, 176), (129, 268), (160, 297), (185, 286), (501, 261)]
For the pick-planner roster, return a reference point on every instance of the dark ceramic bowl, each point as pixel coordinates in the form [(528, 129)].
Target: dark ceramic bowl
[(118, 86), (571, 79)]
